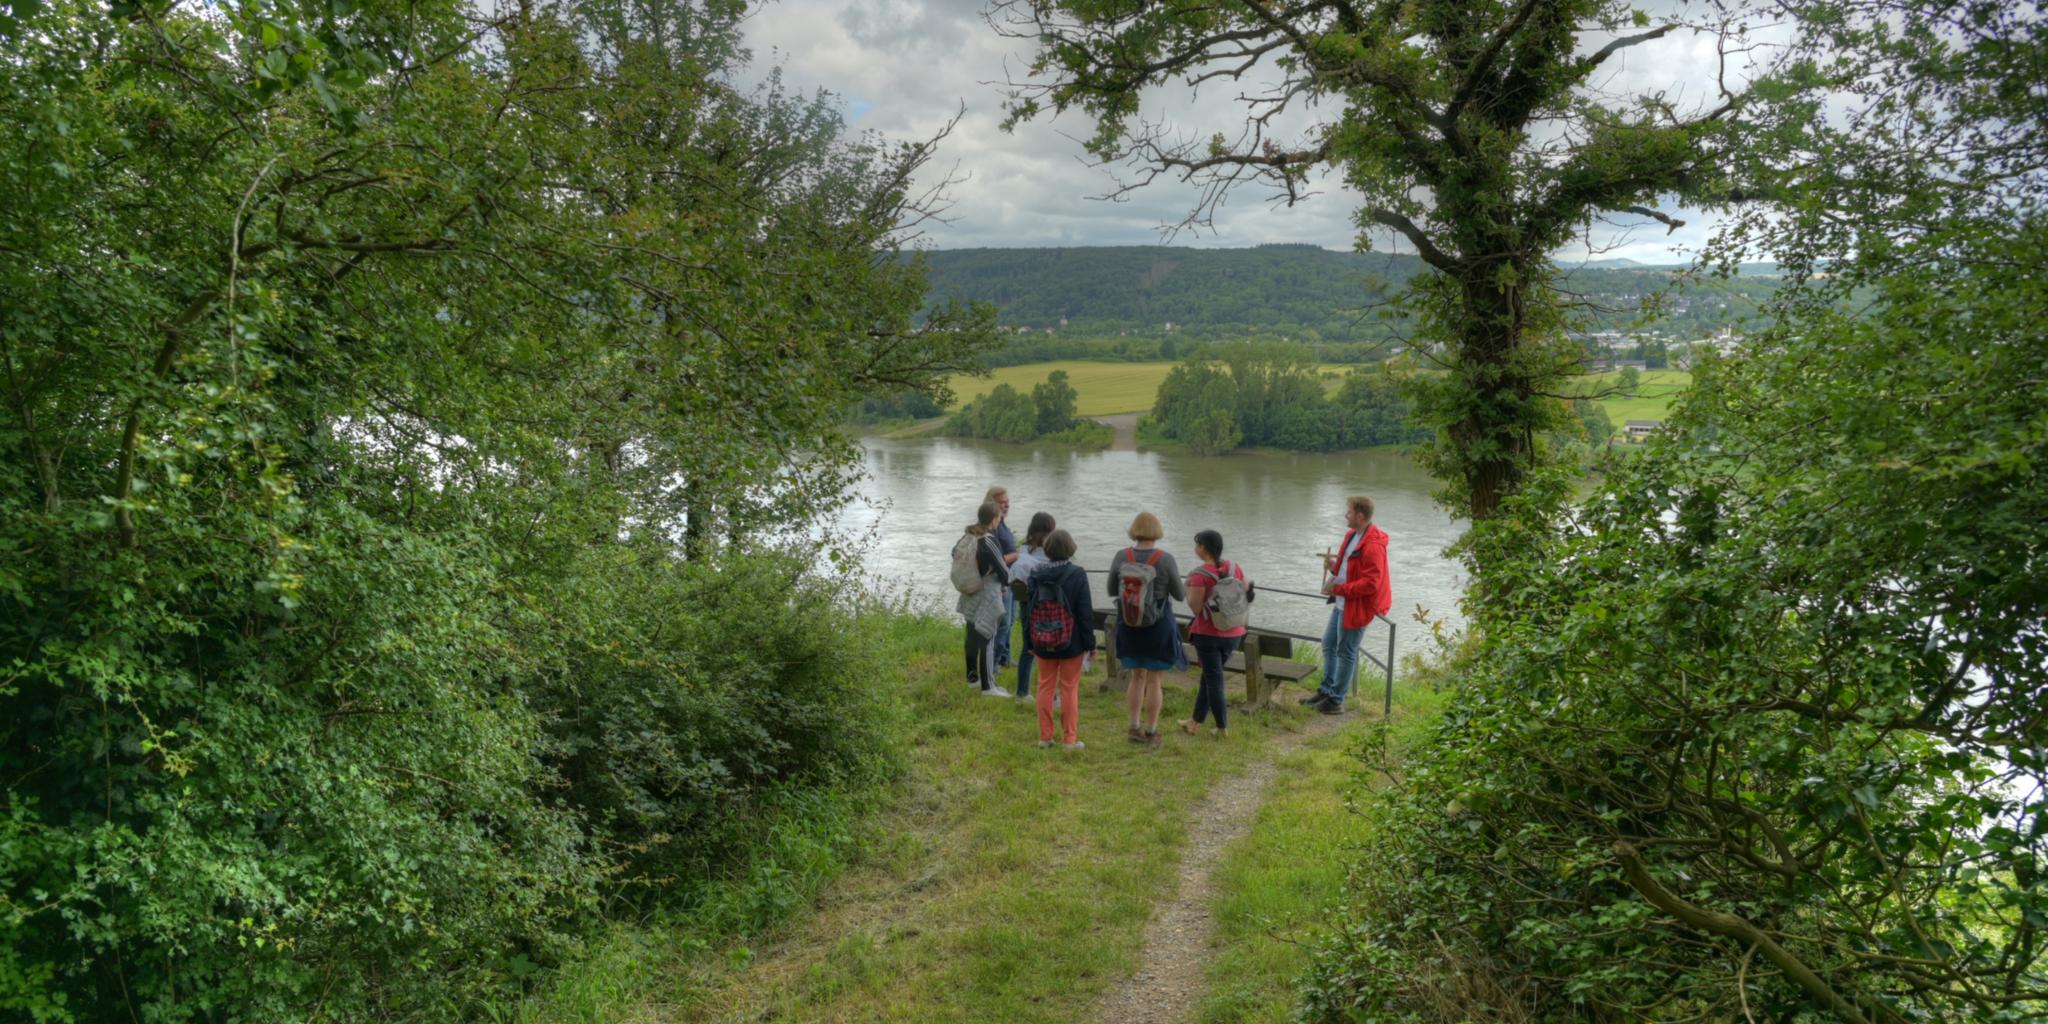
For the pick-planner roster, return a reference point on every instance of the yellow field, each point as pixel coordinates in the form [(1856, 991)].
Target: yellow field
[(1105, 389)]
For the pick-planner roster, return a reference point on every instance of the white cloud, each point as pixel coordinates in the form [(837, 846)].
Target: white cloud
[(905, 67)]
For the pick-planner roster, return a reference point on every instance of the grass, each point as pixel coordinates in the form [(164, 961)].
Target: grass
[(1274, 887), (999, 882)]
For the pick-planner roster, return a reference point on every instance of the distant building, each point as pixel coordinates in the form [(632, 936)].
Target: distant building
[(1637, 430)]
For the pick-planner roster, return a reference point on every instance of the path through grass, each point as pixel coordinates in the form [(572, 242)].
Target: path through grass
[(1002, 883)]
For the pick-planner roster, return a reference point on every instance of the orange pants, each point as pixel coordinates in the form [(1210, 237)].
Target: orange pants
[(1062, 676)]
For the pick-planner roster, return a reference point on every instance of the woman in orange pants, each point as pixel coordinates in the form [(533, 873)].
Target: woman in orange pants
[(1059, 627)]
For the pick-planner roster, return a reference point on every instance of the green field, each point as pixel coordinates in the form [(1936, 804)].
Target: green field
[(1656, 392)]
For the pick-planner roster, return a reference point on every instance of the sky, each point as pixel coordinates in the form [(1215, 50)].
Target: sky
[(904, 68)]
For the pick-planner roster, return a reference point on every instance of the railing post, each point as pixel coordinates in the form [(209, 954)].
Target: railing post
[(1389, 712)]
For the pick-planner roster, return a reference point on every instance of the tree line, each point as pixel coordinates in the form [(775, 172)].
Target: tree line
[(397, 406), (1047, 413), (1268, 396)]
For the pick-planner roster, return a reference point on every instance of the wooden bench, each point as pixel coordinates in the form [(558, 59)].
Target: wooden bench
[(1261, 677)]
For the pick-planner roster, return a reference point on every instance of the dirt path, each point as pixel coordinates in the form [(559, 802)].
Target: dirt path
[(1176, 951), (1126, 431)]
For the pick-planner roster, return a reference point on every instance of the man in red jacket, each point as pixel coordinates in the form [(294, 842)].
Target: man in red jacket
[(1355, 578)]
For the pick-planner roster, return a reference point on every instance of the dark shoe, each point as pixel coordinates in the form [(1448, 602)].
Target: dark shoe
[(1135, 735), (1331, 708), (1314, 700), (1151, 739)]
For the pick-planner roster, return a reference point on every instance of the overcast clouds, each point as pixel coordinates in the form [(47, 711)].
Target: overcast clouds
[(904, 67)]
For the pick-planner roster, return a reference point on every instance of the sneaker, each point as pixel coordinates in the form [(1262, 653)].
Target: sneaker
[(1076, 745), (1044, 744), (1190, 726), (1221, 734), (1313, 700), (1331, 708), (995, 691)]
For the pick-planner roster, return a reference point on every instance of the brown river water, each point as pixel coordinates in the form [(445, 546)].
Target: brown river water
[(1276, 511)]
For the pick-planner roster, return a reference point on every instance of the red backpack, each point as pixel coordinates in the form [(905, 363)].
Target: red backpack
[(1049, 625), (1138, 588)]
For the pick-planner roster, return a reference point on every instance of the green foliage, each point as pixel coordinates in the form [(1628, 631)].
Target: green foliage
[(1270, 396), (1055, 400), (1006, 414), (1755, 730), (910, 404), (346, 415)]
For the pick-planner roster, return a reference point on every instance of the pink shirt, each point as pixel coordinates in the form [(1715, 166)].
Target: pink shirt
[(1206, 577)]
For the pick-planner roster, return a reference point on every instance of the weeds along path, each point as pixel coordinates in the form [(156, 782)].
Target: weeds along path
[(1179, 940)]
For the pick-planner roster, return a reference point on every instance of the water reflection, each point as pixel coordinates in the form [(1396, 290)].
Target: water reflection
[(1276, 511)]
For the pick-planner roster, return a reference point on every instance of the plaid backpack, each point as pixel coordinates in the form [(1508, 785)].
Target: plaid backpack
[(1049, 624)]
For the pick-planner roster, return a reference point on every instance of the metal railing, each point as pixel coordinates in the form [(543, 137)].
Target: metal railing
[(1386, 665)]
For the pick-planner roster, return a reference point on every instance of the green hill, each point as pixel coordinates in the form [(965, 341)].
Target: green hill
[(1300, 291)]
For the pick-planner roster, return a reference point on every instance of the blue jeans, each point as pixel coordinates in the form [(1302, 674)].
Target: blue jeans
[(1213, 652), (1025, 663), (1003, 631), (1340, 657)]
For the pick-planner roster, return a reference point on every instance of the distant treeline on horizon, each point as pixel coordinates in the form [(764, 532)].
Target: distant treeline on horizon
[(1303, 293)]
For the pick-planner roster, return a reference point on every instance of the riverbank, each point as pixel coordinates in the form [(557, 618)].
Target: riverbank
[(997, 880)]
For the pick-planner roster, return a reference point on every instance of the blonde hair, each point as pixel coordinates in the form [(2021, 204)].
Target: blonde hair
[(998, 491), (1146, 527)]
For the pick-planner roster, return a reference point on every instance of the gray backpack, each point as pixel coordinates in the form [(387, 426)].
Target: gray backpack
[(1230, 604), (1138, 597), (966, 574)]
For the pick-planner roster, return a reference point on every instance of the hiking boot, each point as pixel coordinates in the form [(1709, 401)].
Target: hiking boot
[(1314, 700), (1135, 735), (1332, 708), (1151, 739)]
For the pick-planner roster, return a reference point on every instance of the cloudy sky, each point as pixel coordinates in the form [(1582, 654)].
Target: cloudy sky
[(906, 67)]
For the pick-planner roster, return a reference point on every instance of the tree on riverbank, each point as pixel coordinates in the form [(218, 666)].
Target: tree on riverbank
[(1047, 414), (1476, 132), (351, 356), (1273, 396)]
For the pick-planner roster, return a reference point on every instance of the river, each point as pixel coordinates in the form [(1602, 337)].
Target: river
[(1276, 512)]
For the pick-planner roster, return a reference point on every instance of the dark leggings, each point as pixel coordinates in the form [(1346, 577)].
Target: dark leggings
[(981, 658), (1213, 651)]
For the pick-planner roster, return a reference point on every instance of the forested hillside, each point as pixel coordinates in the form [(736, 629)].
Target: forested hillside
[(1299, 290)]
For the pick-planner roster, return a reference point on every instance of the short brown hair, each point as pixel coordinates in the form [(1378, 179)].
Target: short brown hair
[(1363, 504), (1146, 527), (987, 514), (1060, 546)]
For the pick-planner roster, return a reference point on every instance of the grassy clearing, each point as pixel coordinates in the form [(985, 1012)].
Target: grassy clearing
[(1274, 887), (1657, 390), (1000, 882)]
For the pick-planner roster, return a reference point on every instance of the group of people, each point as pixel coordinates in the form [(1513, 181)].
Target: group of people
[(1000, 577)]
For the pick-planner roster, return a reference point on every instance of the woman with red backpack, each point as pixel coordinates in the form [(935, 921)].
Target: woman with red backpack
[(1059, 630), (1144, 581), (1221, 598)]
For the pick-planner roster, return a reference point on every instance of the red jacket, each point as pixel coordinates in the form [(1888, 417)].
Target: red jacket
[(1365, 590)]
